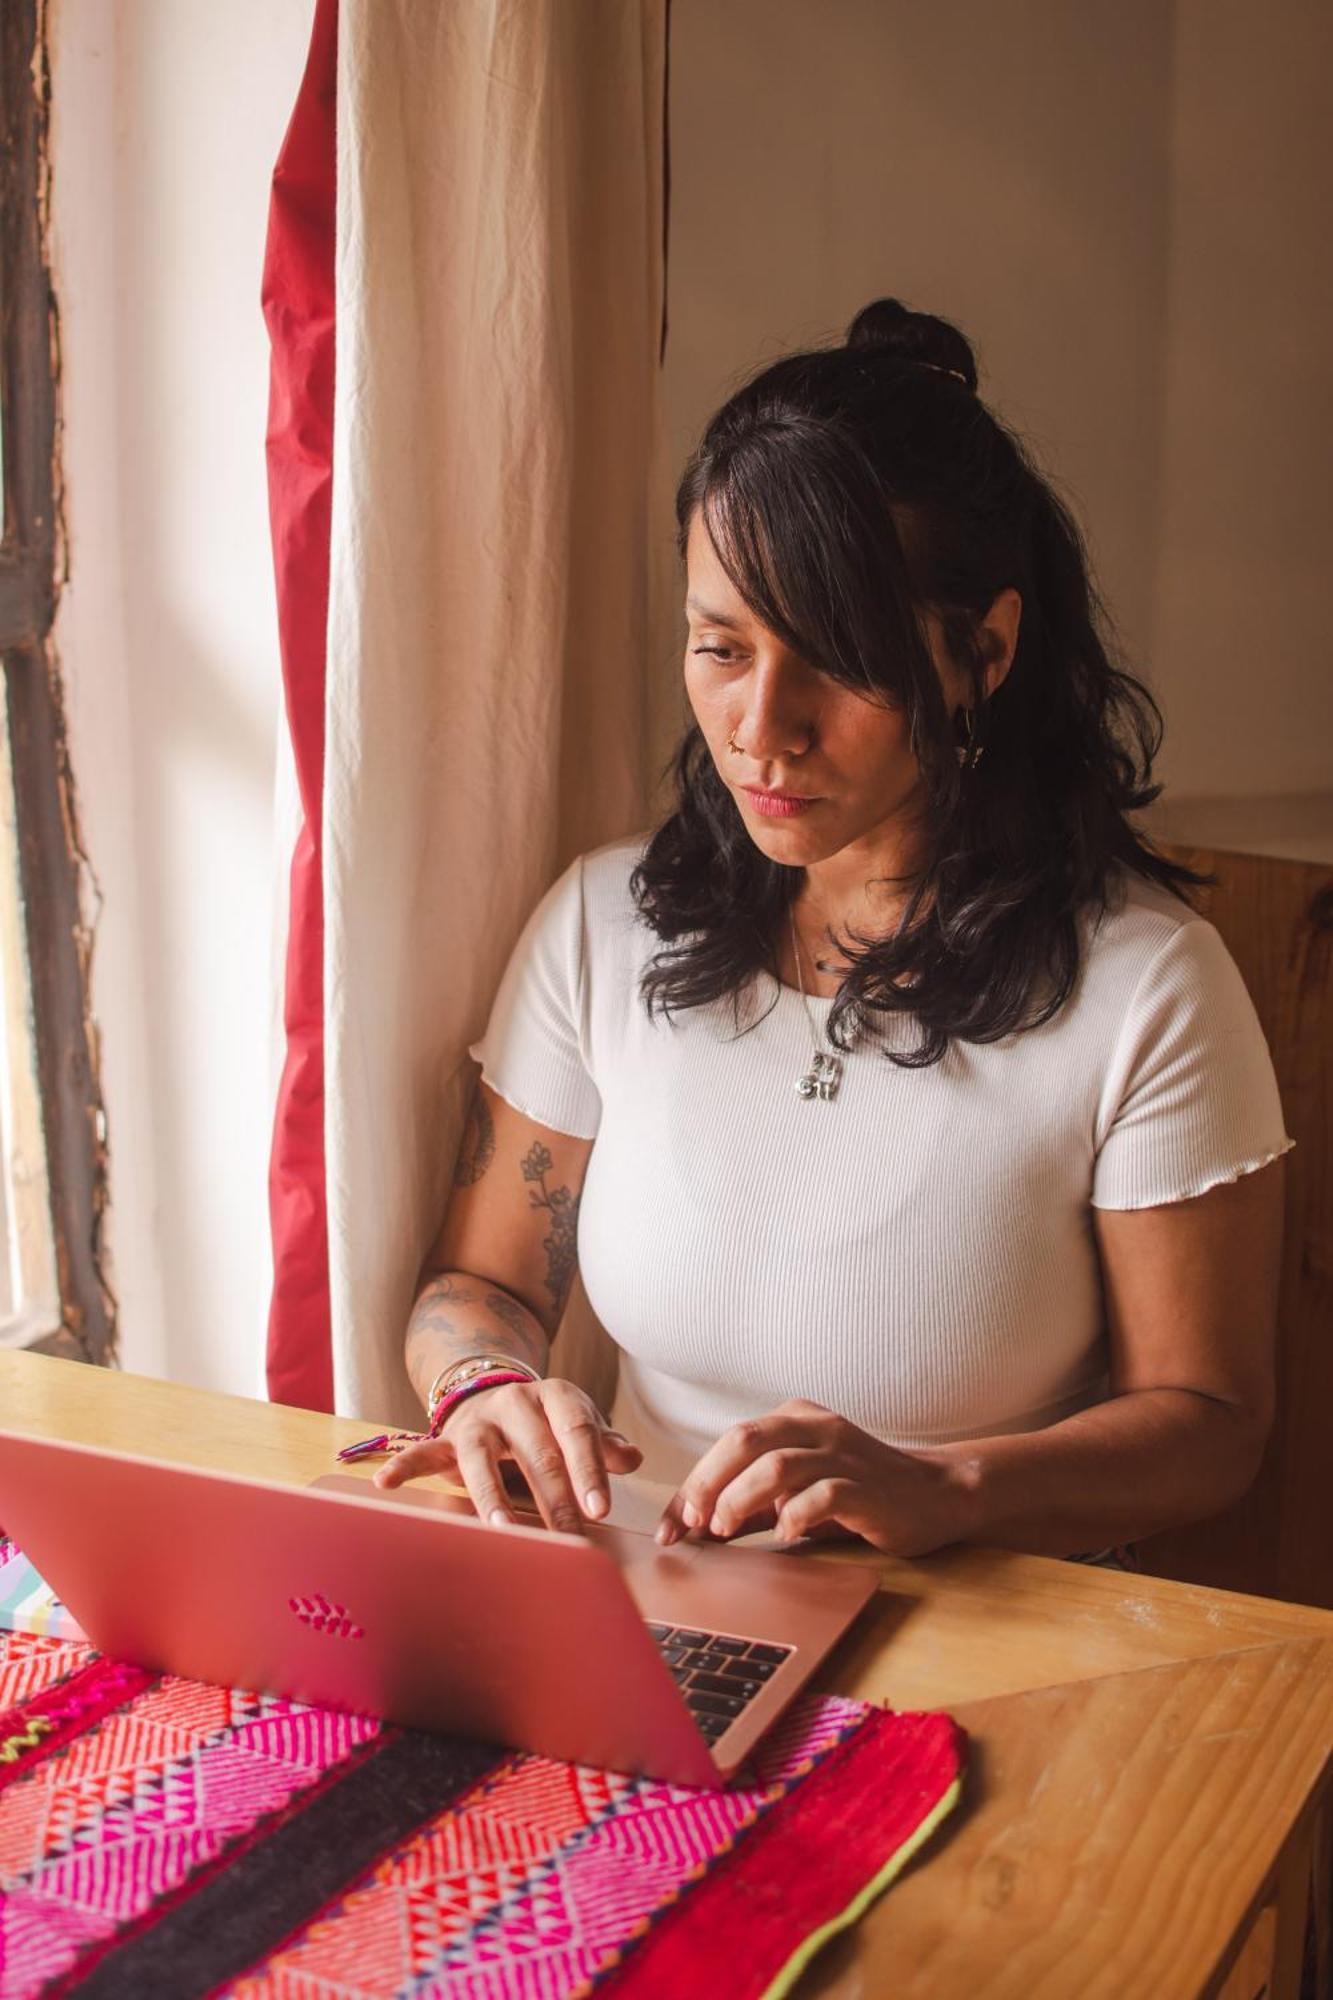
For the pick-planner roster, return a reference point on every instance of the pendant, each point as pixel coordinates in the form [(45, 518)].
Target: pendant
[(822, 1078)]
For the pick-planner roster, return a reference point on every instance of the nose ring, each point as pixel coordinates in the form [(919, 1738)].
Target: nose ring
[(732, 744)]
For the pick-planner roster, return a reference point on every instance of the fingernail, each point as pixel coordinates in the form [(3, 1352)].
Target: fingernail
[(715, 1526), (667, 1532), (595, 1504), (498, 1517), (690, 1515)]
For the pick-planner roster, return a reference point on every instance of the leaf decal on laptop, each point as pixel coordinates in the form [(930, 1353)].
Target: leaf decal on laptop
[(322, 1616)]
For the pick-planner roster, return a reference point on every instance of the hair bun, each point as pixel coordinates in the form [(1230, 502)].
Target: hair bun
[(886, 326)]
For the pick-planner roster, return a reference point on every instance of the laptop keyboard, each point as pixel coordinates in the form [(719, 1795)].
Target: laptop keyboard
[(718, 1674)]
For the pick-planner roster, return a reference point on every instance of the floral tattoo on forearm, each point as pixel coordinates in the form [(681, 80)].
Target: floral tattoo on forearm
[(562, 1207)]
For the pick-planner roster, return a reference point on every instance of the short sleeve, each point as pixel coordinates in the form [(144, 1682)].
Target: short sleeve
[(1191, 1099), (533, 1052)]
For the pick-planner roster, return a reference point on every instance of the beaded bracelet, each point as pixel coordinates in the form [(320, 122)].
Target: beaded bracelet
[(388, 1442), (454, 1373)]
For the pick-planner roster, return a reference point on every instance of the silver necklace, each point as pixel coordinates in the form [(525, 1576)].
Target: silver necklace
[(825, 1072)]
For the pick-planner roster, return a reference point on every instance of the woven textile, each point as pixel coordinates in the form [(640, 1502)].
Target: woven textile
[(159, 1835)]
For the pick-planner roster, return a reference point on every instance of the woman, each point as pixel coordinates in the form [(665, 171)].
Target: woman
[(915, 1138)]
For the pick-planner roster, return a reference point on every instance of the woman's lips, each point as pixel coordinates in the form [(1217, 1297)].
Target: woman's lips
[(777, 805)]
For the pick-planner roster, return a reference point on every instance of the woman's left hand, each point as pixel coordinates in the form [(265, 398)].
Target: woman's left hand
[(802, 1469)]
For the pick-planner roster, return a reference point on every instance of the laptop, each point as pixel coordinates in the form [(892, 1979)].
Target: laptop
[(598, 1647)]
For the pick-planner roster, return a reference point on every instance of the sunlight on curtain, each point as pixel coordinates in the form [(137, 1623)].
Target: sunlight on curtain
[(494, 549)]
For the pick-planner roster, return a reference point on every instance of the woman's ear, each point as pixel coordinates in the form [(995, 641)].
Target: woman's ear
[(998, 636)]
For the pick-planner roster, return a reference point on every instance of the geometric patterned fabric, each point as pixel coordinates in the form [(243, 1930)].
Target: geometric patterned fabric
[(161, 1835)]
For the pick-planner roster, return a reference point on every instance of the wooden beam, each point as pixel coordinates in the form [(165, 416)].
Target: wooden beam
[(49, 857)]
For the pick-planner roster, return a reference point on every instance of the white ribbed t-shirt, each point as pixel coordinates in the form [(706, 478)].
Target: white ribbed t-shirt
[(916, 1254)]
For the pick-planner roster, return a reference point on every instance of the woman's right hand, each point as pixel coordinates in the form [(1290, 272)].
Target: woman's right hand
[(551, 1430)]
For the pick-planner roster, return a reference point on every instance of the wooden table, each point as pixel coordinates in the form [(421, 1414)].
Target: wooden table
[(1149, 1791)]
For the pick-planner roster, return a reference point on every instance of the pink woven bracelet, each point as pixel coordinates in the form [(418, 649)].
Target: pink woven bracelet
[(388, 1442), (446, 1406)]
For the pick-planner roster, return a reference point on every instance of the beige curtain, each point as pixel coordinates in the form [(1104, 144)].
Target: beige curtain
[(497, 546)]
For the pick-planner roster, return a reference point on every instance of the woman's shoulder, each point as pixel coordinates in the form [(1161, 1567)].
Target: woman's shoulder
[(592, 891), (586, 913), (1148, 938), (606, 872), (1140, 915), (611, 919)]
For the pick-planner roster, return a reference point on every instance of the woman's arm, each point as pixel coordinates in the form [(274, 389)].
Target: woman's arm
[(496, 1282), (1191, 1307), (1191, 1296), (496, 1279)]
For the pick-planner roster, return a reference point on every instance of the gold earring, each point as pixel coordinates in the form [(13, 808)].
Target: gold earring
[(969, 752)]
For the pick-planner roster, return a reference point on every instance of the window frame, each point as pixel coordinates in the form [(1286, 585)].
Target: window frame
[(51, 862)]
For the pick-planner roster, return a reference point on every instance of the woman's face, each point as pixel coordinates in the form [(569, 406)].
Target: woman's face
[(818, 767)]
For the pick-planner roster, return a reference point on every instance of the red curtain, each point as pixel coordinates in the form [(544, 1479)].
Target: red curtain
[(298, 308)]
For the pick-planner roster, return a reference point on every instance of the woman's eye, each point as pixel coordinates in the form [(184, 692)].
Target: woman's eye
[(718, 652)]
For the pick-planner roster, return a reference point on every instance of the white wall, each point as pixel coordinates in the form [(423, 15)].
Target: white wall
[(167, 119), (1123, 203), (1002, 166), (1240, 631)]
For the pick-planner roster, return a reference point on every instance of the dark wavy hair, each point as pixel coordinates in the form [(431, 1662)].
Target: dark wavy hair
[(847, 491)]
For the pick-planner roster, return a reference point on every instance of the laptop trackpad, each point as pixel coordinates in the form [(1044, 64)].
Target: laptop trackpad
[(793, 1598)]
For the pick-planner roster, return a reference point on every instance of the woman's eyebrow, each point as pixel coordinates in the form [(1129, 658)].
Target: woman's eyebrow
[(711, 617)]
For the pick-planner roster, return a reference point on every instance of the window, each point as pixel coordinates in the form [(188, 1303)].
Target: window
[(52, 1175)]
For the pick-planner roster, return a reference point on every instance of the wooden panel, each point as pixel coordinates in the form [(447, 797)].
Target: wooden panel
[(1117, 1839), (1277, 919), (966, 1625)]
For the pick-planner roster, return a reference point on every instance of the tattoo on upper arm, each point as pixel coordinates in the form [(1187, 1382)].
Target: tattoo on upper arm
[(561, 1245), (510, 1314), (478, 1147)]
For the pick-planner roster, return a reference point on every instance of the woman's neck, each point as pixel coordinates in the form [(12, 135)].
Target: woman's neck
[(858, 892)]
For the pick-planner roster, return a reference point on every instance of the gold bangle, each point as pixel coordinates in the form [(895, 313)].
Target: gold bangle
[(455, 1373)]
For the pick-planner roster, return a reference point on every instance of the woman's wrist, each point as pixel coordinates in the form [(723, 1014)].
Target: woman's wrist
[(959, 1499), (468, 1367), (498, 1377), (461, 1325)]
